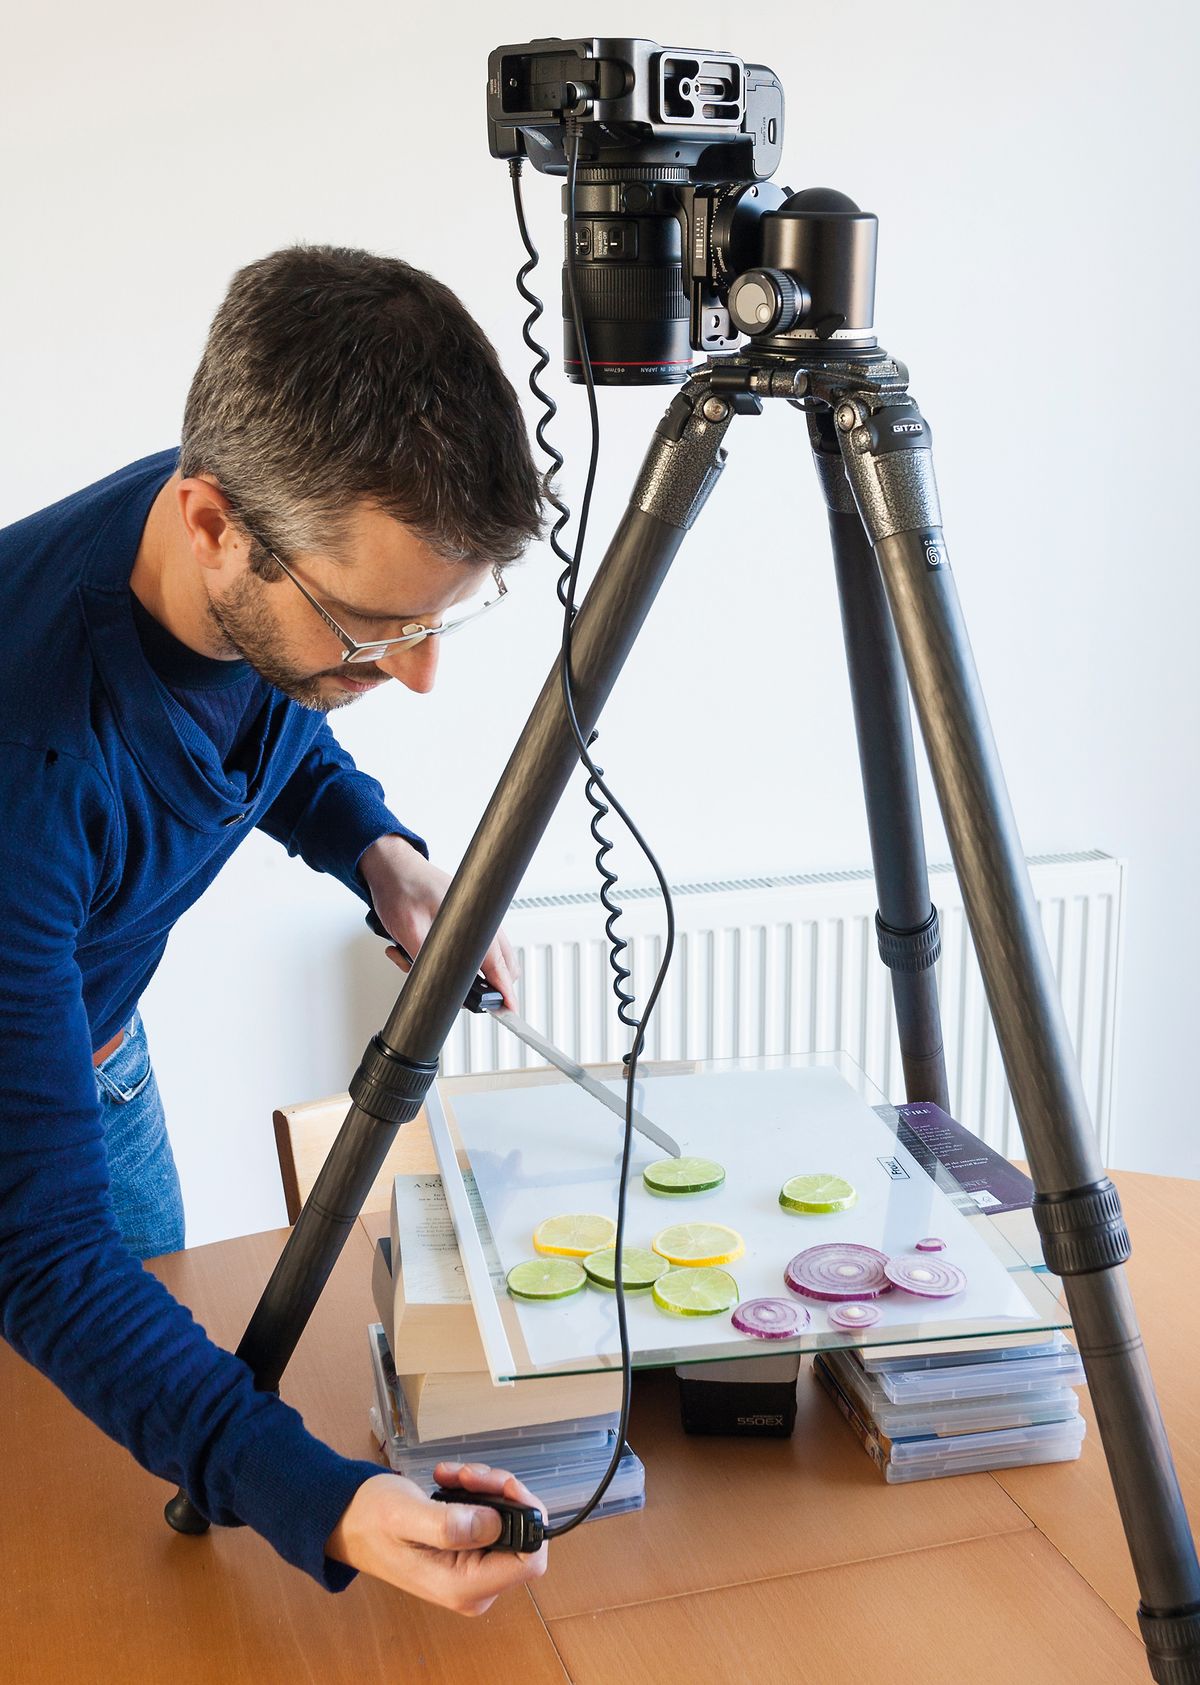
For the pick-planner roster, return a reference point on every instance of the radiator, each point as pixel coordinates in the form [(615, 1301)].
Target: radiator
[(789, 964)]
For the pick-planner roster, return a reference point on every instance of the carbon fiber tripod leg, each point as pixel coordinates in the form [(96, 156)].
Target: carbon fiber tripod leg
[(888, 463), (907, 923)]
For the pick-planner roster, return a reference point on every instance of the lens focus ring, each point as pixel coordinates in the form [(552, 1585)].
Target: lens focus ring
[(632, 293)]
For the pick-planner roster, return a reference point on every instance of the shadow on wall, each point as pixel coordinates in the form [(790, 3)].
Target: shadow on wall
[(367, 985), (368, 988)]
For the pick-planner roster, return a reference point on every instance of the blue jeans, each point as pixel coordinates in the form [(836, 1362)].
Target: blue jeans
[(141, 1166)]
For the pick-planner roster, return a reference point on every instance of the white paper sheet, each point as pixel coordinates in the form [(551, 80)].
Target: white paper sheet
[(539, 1151)]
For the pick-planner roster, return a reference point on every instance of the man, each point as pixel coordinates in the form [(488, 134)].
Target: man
[(353, 475)]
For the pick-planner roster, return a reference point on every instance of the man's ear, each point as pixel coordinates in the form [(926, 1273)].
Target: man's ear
[(204, 510)]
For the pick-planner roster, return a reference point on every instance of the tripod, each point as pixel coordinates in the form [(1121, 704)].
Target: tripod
[(903, 629)]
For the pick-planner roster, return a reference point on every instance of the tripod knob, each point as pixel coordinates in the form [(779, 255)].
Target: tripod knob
[(767, 301)]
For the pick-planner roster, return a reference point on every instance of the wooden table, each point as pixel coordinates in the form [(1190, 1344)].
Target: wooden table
[(752, 1564)]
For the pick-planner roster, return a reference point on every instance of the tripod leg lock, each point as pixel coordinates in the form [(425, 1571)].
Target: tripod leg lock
[(387, 1086), (910, 951), (1082, 1230), (685, 457), (889, 463), (1172, 1645)]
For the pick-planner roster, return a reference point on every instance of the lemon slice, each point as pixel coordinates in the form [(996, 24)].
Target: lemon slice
[(682, 1176), (699, 1243), (545, 1278), (575, 1235), (639, 1269), (695, 1292), (817, 1192)]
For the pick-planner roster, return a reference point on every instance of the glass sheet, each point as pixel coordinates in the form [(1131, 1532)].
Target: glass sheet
[(529, 1145)]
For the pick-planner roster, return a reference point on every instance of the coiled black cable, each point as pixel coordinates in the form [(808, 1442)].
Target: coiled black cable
[(617, 944), (542, 362), (598, 792)]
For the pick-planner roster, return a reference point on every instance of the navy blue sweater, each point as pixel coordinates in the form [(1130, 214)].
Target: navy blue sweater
[(111, 824)]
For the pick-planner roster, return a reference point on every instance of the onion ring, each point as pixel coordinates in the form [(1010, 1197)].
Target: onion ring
[(770, 1319), (854, 1314), (839, 1270), (928, 1278)]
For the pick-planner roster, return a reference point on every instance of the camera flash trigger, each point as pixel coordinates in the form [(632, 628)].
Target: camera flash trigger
[(522, 1528)]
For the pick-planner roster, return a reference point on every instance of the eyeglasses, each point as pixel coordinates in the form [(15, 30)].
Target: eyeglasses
[(409, 637)]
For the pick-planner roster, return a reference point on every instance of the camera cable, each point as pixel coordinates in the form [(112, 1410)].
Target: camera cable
[(597, 791)]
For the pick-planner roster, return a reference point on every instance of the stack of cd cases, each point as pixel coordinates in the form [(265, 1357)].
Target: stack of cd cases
[(562, 1463), (954, 1412)]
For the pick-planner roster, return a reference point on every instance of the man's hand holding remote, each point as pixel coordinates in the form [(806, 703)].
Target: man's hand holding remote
[(393, 1532)]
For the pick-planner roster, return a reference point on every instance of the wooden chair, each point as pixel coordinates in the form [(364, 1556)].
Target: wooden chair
[(304, 1135)]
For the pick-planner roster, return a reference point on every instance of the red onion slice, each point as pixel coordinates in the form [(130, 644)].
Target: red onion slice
[(929, 1278), (931, 1243), (838, 1271), (855, 1315), (770, 1319)]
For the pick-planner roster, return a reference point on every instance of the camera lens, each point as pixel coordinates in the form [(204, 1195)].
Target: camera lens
[(629, 276)]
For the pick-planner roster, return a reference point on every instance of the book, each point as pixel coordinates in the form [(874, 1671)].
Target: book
[(562, 1463), (972, 1348), (420, 1290), (446, 1405), (424, 1304), (993, 1185)]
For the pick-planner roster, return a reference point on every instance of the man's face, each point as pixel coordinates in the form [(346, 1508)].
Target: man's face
[(388, 579)]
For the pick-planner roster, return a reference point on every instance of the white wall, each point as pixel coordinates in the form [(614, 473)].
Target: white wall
[(1033, 169)]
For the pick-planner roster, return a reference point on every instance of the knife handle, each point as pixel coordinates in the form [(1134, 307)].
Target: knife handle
[(481, 997)]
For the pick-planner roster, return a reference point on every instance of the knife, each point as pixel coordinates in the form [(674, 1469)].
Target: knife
[(568, 1066), (481, 997)]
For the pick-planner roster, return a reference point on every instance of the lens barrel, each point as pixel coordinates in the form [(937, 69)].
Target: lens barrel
[(629, 276)]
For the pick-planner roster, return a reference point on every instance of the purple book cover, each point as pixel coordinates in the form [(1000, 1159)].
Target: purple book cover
[(992, 1182)]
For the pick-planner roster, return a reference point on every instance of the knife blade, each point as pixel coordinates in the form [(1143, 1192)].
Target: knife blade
[(532, 1038), (481, 997)]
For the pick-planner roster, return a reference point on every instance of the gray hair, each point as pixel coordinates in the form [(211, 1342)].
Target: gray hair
[(333, 376)]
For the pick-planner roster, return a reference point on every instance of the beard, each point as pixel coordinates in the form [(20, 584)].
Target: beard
[(247, 628)]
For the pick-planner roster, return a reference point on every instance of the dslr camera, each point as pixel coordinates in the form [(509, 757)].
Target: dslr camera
[(682, 243)]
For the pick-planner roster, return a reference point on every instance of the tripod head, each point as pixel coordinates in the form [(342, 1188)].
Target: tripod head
[(682, 243), (815, 277)]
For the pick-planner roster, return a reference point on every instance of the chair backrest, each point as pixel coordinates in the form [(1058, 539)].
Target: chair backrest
[(305, 1133)]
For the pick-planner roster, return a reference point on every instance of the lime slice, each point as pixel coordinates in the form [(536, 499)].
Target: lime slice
[(640, 1269), (699, 1243), (696, 1292), (683, 1175), (545, 1278), (575, 1235), (817, 1192)]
